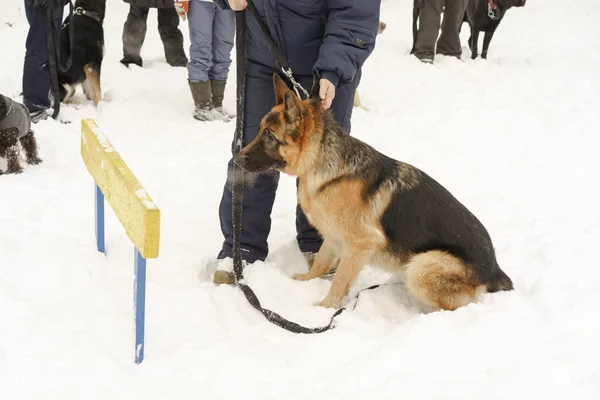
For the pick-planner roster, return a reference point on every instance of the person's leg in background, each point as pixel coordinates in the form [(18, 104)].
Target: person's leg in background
[(134, 33), (449, 41), (171, 36), (200, 20), (222, 44), (429, 29)]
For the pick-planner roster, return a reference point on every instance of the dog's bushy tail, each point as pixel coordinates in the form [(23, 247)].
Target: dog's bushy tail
[(500, 282)]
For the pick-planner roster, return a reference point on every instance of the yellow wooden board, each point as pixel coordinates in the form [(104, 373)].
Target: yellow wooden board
[(129, 200)]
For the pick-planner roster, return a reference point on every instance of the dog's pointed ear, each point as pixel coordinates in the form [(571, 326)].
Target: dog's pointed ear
[(280, 88), (316, 86), (292, 107)]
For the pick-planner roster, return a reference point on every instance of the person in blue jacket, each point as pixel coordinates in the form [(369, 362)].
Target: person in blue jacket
[(332, 38)]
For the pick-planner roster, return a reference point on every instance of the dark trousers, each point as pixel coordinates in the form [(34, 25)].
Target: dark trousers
[(36, 69), (134, 33), (448, 43), (259, 190)]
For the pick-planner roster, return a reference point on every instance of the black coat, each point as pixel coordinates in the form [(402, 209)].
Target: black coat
[(152, 3), (46, 3)]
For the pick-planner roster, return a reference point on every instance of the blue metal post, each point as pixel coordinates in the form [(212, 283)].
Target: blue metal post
[(99, 209), (139, 304)]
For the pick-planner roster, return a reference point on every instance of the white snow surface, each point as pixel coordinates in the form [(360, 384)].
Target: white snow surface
[(515, 138)]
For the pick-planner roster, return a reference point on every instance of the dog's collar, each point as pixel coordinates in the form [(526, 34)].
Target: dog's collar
[(493, 10), (86, 13)]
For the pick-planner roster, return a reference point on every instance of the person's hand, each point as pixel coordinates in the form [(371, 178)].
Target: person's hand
[(237, 5), (326, 92), (182, 7)]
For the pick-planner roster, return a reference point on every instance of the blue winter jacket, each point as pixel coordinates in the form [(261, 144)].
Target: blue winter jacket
[(331, 37)]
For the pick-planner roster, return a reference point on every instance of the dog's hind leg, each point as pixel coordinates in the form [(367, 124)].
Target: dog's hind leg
[(441, 280), (29, 145), (92, 74)]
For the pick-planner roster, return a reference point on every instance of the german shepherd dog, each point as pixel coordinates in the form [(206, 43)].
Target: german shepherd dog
[(485, 16), (15, 129), (372, 209), (87, 52)]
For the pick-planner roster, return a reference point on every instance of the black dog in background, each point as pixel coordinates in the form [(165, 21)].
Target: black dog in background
[(87, 52), (485, 16), (15, 127)]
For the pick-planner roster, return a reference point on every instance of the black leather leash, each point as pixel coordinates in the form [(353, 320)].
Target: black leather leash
[(53, 45), (283, 64), (238, 180)]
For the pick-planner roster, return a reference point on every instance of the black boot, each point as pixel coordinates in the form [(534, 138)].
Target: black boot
[(218, 93), (202, 96)]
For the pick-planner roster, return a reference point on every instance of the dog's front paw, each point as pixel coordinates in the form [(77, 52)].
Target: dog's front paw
[(302, 277), (328, 303), (34, 160)]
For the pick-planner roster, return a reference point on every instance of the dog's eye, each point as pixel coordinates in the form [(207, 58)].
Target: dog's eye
[(272, 137)]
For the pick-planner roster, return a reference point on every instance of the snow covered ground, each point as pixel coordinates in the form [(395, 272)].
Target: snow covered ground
[(515, 138)]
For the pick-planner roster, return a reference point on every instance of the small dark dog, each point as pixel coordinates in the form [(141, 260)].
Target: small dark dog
[(485, 16), (15, 127), (87, 51)]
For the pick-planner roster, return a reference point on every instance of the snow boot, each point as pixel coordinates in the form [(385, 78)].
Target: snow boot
[(202, 96), (224, 273), (218, 93)]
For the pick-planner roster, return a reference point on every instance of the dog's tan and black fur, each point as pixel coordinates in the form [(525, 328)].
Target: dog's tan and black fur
[(372, 209)]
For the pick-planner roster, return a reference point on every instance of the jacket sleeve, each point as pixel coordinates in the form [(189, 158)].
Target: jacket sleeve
[(349, 38), (222, 4)]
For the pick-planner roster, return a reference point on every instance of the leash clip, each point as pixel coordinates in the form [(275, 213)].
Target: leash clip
[(492, 11), (79, 11), (290, 75)]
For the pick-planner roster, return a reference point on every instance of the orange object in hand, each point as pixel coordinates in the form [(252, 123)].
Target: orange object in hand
[(185, 4)]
